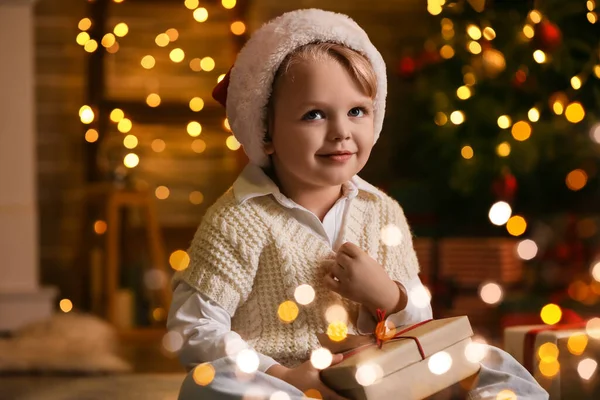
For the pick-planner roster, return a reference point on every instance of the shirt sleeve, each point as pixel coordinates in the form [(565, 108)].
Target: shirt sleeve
[(205, 328), (411, 314)]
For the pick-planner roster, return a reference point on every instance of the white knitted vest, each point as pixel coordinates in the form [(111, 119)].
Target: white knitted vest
[(250, 258)]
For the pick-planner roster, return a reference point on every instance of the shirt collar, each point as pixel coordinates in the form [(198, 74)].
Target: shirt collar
[(254, 182)]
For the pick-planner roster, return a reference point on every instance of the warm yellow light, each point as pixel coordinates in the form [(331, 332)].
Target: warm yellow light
[(576, 180), (194, 129), (124, 125), (470, 79), (192, 4), (179, 260), (173, 34), (434, 7), (551, 314), (207, 64), (592, 17), (539, 56), (504, 122), (203, 374), (117, 115), (467, 152), (463, 92), (84, 24), (196, 104), (100, 227), (576, 82), (82, 38), (153, 100), (108, 40), (131, 160), (533, 115), (474, 47), (503, 149), (447, 52), (591, 5), (66, 305), (337, 331), (597, 71), (87, 116), (521, 131), (162, 40), (474, 32), (121, 29), (228, 4), (83, 109), (91, 135), (232, 143), (549, 369), (177, 55), (148, 62), (114, 48), (457, 117), (195, 65), (201, 14), (196, 198), (577, 344), (489, 33), (575, 113), (440, 119), (506, 394), (288, 311), (535, 16), (592, 328), (130, 141), (220, 78), (198, 146), (548, 352), (158, 145), (90, 46), (238, 28), (226, 124), (516, 225), (528, 31), (162, 192), (558, 108)]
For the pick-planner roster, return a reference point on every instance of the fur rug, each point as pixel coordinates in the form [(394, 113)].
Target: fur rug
[(66, 343)]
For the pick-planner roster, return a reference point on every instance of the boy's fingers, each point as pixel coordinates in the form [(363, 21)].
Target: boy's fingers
[(331, 283), (350, 249)]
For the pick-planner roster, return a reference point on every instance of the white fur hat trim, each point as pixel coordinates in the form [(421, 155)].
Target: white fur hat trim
[(252, 75)]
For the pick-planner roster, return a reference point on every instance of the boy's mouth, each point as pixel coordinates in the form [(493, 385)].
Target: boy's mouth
[(338, 156)]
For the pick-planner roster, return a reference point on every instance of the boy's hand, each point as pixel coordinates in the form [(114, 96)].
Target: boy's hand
[(306, 377), (358, 277)]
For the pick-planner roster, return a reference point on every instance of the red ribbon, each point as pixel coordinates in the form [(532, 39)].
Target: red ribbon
[(381, 338), (529, 345)]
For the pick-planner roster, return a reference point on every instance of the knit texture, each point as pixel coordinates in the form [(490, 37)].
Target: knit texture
[(250, 258)]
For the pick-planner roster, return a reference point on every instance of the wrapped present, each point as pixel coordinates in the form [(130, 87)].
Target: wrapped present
[(470, 261), (417, 361), (562, 358)]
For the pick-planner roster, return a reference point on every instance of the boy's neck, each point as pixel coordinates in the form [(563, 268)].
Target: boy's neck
[(318, 200)]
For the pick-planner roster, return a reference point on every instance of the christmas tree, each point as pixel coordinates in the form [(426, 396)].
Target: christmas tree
[(506, 99)]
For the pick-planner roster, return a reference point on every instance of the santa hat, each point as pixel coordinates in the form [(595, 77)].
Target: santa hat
[(246, 88)]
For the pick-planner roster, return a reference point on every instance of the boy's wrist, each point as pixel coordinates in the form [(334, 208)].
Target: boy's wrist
[(395, 301)]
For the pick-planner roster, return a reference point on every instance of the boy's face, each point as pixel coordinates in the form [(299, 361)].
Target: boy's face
[(321, 126)]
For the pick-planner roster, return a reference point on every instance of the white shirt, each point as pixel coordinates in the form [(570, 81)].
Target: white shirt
[(205, 326)]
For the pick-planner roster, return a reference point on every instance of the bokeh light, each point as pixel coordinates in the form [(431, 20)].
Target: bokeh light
[(66, 305), (162, 192), (551, 314), (527, 249), (476, 351), (504, 122), (516, 225), (321, 358), (204, 374), (194, 129), (131, 160), (304, 294), (100, 227), (198, 146), (521, 131), (368, 374), (247, 361), (491, 293), (548, 352), (158, 145), (196, 104), (391, 235), (177, 55), (440, 363), (130, 141), (500, 213), (232, 143), (592, 328), (179, 260), (172, 341), (201, 14), (336, 313), (506, 394), (549, 369), (575, 113), (576, 180), (577, 343), (337, 331), (457, 117), (124, 125), (196, 197), (288, 311), (162, 40), (586, 368), (420, 296)]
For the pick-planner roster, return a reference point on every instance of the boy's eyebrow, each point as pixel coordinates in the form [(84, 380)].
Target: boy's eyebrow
[(366, 103)]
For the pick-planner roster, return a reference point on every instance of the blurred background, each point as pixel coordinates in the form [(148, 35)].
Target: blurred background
[(112, 149)]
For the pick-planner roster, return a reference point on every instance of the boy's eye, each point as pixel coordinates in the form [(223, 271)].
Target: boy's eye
[(313, 115), (356, 112)]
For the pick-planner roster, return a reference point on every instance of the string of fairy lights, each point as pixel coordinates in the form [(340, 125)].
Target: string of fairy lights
[(110, 44)]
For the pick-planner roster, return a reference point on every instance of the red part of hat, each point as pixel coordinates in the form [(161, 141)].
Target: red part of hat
[(219, 93)]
